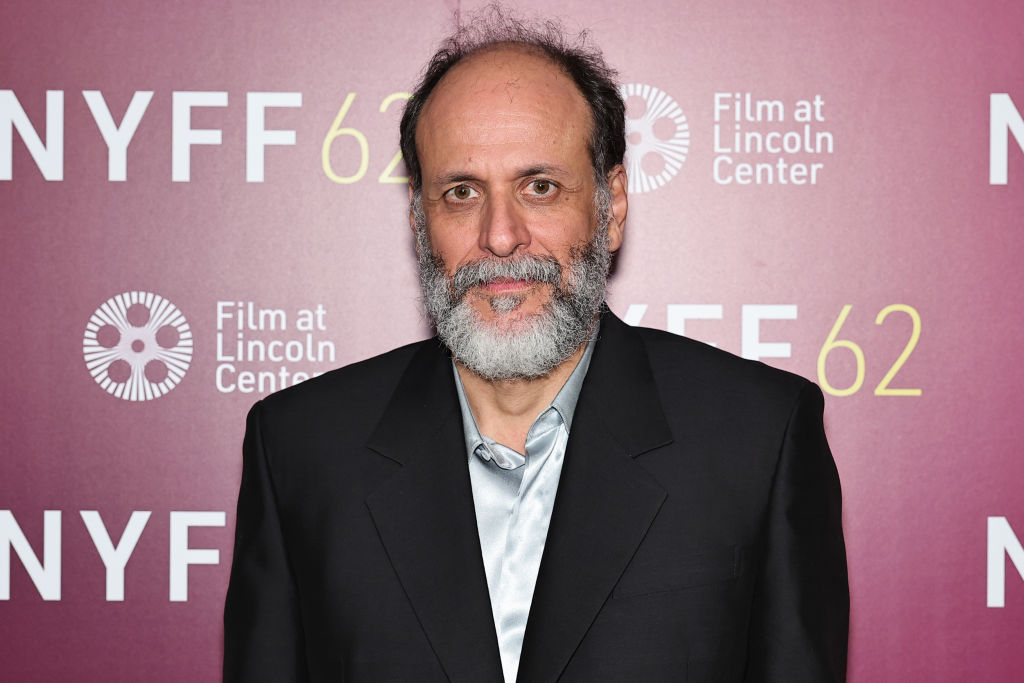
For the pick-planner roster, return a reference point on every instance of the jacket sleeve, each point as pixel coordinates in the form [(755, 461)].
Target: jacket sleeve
[(800, 619), (263, 639)]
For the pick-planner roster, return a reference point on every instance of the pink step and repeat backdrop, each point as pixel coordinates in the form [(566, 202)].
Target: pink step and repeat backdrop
[(203, 202)]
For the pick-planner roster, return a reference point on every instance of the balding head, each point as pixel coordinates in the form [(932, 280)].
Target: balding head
[(581, 63)]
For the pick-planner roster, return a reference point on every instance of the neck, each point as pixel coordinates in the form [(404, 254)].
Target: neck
[(505, 409)]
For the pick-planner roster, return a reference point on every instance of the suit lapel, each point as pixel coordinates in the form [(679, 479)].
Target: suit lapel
[(605, 503), (426, 520)]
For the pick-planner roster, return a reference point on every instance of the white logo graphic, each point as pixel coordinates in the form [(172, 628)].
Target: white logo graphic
[(137, 346), (657, 137)]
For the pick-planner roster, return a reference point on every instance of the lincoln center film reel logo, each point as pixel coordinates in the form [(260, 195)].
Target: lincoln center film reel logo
[(657, 136), (137, 346)]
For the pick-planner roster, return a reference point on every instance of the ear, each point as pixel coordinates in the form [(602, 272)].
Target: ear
[(617, 183)]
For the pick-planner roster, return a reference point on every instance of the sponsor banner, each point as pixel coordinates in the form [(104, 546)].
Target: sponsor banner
[(203, 204)]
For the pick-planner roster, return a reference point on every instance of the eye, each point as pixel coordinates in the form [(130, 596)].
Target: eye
[(462, 193), (541, 187)]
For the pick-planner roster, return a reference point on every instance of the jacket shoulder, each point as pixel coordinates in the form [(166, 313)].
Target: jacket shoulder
[(683, 364), (345, 396)]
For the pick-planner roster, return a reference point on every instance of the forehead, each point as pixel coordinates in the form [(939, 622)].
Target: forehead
[(501, 95)]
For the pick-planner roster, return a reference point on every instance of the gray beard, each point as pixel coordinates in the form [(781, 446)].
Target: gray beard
[(536, 345)]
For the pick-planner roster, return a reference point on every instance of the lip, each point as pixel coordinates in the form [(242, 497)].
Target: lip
[(507, 286)]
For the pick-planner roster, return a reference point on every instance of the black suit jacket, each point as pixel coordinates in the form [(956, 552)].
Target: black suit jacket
[(696, 534)]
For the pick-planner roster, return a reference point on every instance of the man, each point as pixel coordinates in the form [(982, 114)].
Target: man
[(542, 493)]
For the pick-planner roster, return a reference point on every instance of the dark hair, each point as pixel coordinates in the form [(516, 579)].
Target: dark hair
[(580, 61)]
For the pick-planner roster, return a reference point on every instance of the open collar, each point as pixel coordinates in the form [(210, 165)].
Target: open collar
[(605, 504)]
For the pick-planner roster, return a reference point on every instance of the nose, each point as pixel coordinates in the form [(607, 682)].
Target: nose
[(503, 227)]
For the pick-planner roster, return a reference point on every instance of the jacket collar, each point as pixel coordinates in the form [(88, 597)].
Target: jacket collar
[(605, 503)]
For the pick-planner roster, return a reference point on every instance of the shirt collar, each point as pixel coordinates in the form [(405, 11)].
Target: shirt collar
[(564, 402), (569, 394)]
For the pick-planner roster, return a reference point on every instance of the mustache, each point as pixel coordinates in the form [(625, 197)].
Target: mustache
[(544, 269)]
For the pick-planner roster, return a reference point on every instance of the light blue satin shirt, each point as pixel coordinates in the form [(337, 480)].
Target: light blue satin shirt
[(513, 495)]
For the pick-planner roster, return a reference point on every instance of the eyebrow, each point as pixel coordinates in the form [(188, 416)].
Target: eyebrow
[(543, 169), (457, 177), (538, 169)]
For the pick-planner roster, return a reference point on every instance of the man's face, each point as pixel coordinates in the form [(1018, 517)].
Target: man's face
[(507, 174)]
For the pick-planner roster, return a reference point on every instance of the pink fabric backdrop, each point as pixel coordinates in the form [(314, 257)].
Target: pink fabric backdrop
[(902, 213)]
